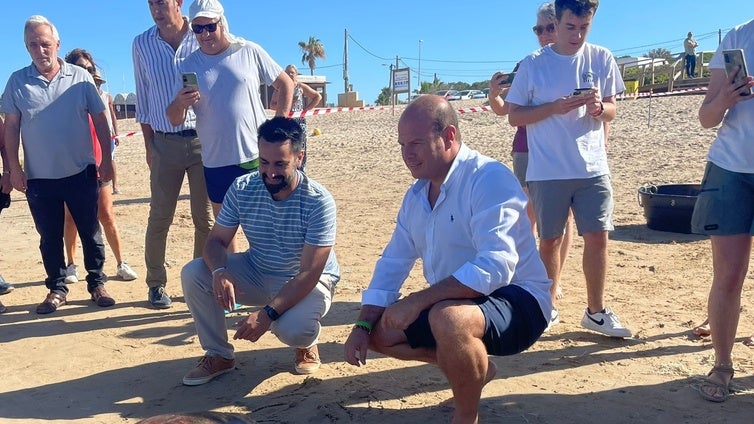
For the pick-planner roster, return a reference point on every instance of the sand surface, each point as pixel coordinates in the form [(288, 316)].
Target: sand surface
[(122, 364)]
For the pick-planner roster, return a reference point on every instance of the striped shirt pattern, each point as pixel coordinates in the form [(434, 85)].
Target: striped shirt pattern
[(158, 79), (277, 230)]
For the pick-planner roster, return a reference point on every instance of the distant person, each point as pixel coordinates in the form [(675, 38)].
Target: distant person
[(290, 267), (304, 98), (227, 103), (564, 93), (5, 189), (47, 107), (488, 293), (105, 211), (689, 47), (172, 151), (546, 31), (723, 208)]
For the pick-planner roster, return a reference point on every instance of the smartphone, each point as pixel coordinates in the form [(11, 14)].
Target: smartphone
[(189, 80), (509, 79), (734, 59), (580, 91)]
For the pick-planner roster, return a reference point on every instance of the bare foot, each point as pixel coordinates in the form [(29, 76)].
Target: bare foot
[(702, 330), (559, 293)]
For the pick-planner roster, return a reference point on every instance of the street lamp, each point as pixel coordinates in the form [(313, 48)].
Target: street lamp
[(419, 74)]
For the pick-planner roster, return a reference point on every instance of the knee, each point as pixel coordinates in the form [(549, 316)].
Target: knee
[(448, 321), (298, 336), (195, 275)]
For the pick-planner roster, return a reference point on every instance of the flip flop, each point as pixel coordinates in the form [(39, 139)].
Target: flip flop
[(720, 391)]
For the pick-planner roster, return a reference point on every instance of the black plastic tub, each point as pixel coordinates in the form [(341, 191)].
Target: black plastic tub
[(669, 207)]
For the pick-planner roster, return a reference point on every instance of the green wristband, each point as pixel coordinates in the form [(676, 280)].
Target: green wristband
[(365, 325)]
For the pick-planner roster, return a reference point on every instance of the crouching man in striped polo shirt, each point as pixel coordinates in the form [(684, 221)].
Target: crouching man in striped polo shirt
[(290, 267)]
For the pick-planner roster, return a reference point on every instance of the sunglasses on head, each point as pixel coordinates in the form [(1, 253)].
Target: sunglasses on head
[(539, 29), (198, 29)]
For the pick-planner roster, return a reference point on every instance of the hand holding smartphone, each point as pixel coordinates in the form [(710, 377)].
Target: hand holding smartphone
[(509, 79), (580, 91), (735, 61), (190, 81)]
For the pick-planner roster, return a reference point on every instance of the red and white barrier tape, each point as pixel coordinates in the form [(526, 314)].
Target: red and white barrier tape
[(130, 134), (667, 93), (329, 110)]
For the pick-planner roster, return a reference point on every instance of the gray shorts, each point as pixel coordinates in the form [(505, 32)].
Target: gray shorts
[(590, 198), (520, 163), (725, 205)]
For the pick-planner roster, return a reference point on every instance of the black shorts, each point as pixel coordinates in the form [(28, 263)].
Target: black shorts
[(513, 322)]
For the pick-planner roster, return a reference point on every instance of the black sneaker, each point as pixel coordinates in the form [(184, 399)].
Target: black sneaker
[(4, 200), (159, 298)]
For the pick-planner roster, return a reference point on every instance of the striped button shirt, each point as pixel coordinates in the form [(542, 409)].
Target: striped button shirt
[(277, 230), (158, 79)]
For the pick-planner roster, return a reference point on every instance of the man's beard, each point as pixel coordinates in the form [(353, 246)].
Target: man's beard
[(281, 184)]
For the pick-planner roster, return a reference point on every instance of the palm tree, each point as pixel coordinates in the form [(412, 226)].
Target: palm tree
[(313, 50)]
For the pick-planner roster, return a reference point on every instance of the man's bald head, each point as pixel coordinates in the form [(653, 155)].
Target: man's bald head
[(435, 109)]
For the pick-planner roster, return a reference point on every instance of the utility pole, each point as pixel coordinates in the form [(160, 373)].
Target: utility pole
[(419, 74), (345, 62)]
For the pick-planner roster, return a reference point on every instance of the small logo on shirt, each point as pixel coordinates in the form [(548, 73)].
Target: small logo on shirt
[(587, 78), (452, 218)]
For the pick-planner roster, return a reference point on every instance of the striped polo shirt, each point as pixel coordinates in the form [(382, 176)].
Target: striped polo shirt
[(158, 79), (277, 230)]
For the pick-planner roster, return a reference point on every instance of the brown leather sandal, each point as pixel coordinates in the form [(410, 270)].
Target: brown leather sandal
[(51, 303), (715, 391)]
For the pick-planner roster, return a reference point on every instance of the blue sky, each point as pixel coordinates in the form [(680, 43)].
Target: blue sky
[(460, 41)]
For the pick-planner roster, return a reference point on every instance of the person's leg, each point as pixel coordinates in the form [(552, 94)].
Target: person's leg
[(81, 196), (458, 327), (565, 247), (552, 202), (69, 237), (209, 317), (692, 66), (106, 215), (114, 189), (201, 211), (47, 209), (594, 263), (730, 262), (165, 178)]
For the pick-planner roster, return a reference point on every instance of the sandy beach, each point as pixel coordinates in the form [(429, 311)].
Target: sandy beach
[(125, 363)]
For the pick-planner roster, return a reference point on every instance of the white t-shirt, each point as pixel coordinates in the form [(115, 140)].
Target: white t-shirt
[(230, 108), (569, 146), (733, 149)]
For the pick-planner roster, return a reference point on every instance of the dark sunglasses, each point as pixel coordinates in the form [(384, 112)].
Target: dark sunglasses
[(198, 29), (89, 69), (539, 29)]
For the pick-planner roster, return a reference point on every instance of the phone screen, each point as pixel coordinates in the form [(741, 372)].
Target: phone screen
[(189, 80), (734, 59)]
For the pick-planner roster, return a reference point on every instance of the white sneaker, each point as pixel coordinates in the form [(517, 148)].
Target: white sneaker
[(605, 322), (125, 272), (71, 274), (554, 319)]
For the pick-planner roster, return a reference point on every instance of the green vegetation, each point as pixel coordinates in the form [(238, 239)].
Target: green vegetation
[(312, 50)]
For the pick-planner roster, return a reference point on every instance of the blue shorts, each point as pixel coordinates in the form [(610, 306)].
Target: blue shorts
[(219, 180), (513, 322)]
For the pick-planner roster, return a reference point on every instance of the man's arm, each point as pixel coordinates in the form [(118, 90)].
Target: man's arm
[(525, 115), (498, 93), (313, 261), (103, 135), (148, 134), (178, 108), (284, 84), (721, 95), (113, 117), (5, 178), (12, 142)]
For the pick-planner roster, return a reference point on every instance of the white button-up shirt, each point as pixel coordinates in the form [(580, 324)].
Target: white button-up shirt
[(478, 232)]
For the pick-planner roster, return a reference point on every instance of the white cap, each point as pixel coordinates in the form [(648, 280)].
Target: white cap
[(211, 9)]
